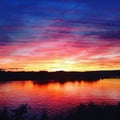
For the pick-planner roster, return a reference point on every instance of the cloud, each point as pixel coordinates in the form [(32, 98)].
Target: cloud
[(42, 31)]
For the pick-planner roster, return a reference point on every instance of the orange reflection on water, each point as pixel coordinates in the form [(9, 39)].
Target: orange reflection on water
[(54, 95)]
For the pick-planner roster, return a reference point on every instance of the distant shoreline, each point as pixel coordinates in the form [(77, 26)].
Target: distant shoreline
[(45, 76)]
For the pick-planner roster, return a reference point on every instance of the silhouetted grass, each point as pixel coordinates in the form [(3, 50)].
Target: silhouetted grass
[(95, 112), (82, 112)]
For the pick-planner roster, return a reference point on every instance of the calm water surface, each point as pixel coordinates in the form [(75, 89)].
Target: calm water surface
[(56, 97)]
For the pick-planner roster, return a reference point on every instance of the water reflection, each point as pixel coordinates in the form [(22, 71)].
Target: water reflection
[(56, 97)]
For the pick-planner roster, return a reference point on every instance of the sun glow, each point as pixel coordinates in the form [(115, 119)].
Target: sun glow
[(56, 64), (58, 69)]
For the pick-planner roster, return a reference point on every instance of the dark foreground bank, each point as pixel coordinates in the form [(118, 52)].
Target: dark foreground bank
[(81, 112)]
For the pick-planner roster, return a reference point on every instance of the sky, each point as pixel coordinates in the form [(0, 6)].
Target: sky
[(53, 35)]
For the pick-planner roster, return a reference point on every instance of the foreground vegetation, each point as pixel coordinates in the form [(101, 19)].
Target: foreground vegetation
[(81, 112)]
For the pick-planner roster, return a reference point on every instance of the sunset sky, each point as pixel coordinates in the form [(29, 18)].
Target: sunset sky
[(69, 35)]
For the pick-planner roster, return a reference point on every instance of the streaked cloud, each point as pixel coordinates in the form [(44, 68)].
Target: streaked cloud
[(46, 35)]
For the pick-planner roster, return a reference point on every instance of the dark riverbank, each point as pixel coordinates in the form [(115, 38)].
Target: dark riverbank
[(60, 76), (82, 112)]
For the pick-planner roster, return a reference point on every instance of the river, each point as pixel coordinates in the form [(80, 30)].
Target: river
[(58, 97)]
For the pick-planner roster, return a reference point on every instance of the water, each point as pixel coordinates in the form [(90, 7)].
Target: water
[(57, 97)]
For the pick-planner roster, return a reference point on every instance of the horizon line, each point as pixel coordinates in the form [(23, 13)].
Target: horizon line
[(2, 70)]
